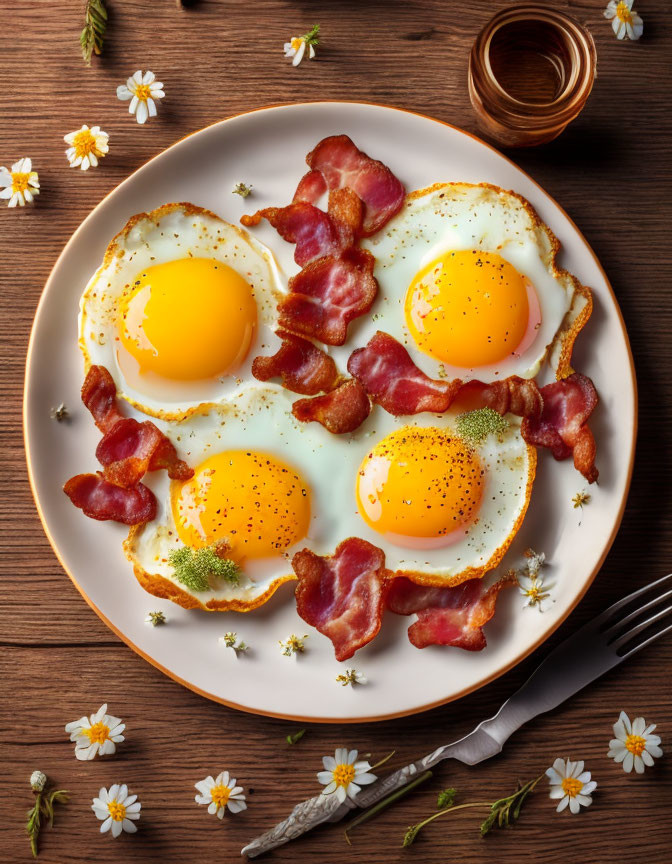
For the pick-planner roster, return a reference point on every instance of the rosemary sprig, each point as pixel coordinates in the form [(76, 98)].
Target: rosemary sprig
[(95, 22), (43, 808)]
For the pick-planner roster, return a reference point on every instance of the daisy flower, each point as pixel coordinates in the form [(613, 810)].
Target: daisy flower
[(20, 184), (634, 745), (142, 90), (87, 146), (532, 588), (296, 47), (343, 775), (571, 784), (624, 21), (38, 780), (117, 809), (221, 793), (96, 735)]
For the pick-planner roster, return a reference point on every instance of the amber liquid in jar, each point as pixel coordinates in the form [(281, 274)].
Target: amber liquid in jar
[(531, 70)]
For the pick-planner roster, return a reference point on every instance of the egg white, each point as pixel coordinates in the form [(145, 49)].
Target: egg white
[(260, 419), (171, 232), (460, 216)]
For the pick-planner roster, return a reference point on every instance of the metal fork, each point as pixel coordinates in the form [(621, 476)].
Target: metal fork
[(587, 654)]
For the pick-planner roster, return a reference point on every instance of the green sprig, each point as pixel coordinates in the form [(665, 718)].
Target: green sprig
[(43, 808), (296, 737), (312, 37), (195, 568), (95, 24), (446, 798)]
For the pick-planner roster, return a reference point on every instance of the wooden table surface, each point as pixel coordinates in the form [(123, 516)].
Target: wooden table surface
[(610, 170)]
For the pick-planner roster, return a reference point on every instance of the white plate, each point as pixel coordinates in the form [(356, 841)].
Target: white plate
[(268, 148)]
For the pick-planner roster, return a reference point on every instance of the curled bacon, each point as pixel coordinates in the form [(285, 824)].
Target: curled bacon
[(311, 188), (301, 366), (342, 595), (447, 616), (342, 410), (341, 165), (99, 394), (327, 294), (393, 380), (130, 449), (127, 450), (313, 230), (562, 425), (516, 395), (100, 499)]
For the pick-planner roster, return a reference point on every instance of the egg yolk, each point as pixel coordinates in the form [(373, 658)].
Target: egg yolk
[(256, 503), (419, 485), (470, 308), (189, 319)]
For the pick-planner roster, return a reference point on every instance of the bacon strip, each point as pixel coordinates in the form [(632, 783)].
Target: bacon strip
[(513, 395), (102, 500), (342, 164), (393, 380), (342, 595), (327, 294), (99, 394), (301, 366), (130, 449), (313, 230), (562, 425), (447, 616), (311, 188), (343, 410)]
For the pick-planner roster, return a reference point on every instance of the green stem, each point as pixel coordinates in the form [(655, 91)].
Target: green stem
[(383, 761), (381, 805), (450, 810)]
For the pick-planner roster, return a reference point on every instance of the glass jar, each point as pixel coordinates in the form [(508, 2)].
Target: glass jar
[(531, 70)]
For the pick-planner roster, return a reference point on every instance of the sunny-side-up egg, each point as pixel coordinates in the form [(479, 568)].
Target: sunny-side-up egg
[(442, 495), (470, 286), (179, 308)]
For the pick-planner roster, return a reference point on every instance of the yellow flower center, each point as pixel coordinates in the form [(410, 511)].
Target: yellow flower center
[(20, 181), (220, 795), (623, 13), (296, 43), (84, 143), (571, 786), (344, 775), (98, 733), (117, 811), (635, 744), (143, 92)]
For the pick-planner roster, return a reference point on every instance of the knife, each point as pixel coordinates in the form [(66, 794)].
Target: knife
[(586, 655)]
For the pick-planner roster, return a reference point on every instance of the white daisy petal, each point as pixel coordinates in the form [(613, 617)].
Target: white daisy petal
[(141, 114), (116, 829)]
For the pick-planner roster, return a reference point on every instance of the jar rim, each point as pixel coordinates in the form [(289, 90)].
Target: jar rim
[(567, 104)]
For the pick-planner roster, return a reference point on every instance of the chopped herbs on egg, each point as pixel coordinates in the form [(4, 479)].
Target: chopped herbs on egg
[(195, 567), (475, 426)]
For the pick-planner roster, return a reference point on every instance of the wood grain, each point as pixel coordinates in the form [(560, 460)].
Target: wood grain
[(611, 170)]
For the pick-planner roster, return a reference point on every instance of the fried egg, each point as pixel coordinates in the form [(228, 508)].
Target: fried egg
[(179, 308), (443, 509), (470, 286)]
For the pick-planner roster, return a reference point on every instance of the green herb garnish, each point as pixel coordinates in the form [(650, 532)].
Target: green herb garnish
[(95, 22), (475, 426), (296, 737), (196, 567), (312, 37)]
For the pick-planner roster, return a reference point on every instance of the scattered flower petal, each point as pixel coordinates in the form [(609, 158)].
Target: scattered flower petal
[(293, 645), (344, 775), (580, 500), (155, 619), (96, 735), (571, 784), (633, 745), (117, 810), (60, 413), (86, 147), (20, 184), (221, 793), (230, 640), (350, 676), (624, 21), (143, 91)]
